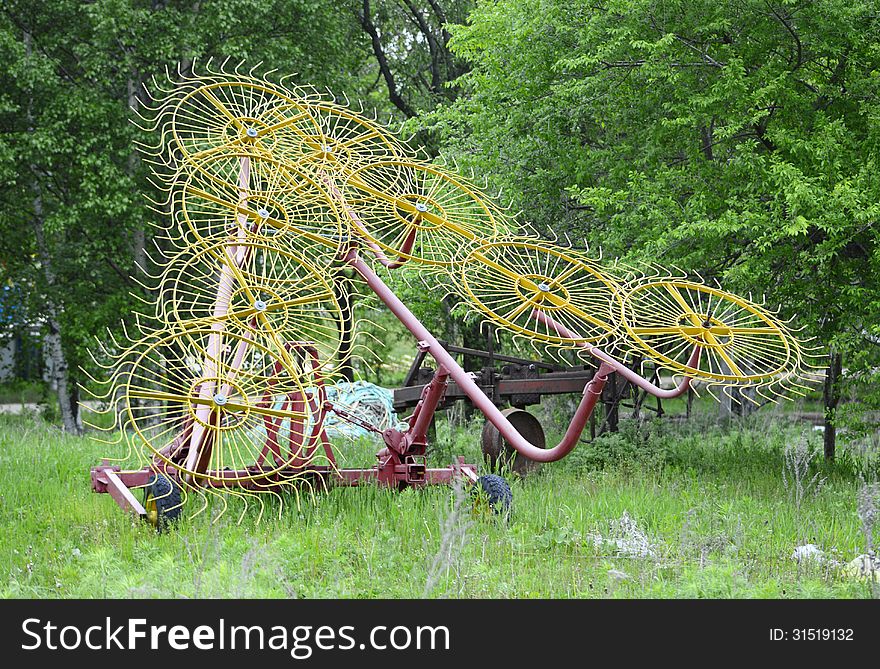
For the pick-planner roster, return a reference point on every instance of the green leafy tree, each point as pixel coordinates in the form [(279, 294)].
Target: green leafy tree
[(73, 221), (410, 44), (739, 139)]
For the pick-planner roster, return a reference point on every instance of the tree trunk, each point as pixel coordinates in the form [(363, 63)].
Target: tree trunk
[(139, 237), (735, 401), (726, 406), (59, 371), (394, 95), (60, 377), (830, 397)]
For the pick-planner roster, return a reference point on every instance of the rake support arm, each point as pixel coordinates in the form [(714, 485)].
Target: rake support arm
[(427, 342), (621, 369)]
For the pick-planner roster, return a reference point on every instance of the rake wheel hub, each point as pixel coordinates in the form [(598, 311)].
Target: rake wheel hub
[(247, 304), (538, 290), (709, 332), (403, 210), (223, 409)]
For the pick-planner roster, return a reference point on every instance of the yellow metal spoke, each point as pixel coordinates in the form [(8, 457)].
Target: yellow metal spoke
[(282, 124), (687, 310), (222, 108)]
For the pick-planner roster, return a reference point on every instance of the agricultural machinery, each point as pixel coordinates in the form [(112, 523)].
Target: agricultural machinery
[(275, 197)]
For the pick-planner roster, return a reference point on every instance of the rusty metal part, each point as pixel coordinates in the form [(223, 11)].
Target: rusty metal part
[(498, 452), (504, 379)]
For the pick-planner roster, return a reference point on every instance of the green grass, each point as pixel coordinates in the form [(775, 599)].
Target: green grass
[(711, 501)]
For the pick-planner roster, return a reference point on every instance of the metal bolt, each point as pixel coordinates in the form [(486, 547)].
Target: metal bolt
[(421, 207), (326, 148), (220, 399), (251, 132), (260, 305), (264, 213), (543, 287)]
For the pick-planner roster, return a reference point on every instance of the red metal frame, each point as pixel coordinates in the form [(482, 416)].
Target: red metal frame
[(402, 461), (448, 367)]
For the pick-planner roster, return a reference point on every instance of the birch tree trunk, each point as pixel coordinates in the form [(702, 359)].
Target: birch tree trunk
[(53, 343), (54, 348)]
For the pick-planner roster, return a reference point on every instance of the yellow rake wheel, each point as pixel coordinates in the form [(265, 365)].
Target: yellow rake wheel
[(269, 289), (509, 280), (241, 113), (343, 142), (203, 407), (249, 195), (399, 204), (741, 343)]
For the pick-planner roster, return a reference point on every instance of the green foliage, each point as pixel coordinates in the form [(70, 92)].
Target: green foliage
[(19, 391), (633, 447), (412, 41), (740, 140)]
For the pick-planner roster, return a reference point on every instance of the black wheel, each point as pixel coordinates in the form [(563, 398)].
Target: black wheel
[(162, 500), (493, 492)]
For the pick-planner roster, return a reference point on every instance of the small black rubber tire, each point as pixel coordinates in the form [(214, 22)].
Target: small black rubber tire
[(167, 496), (496, 492)]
